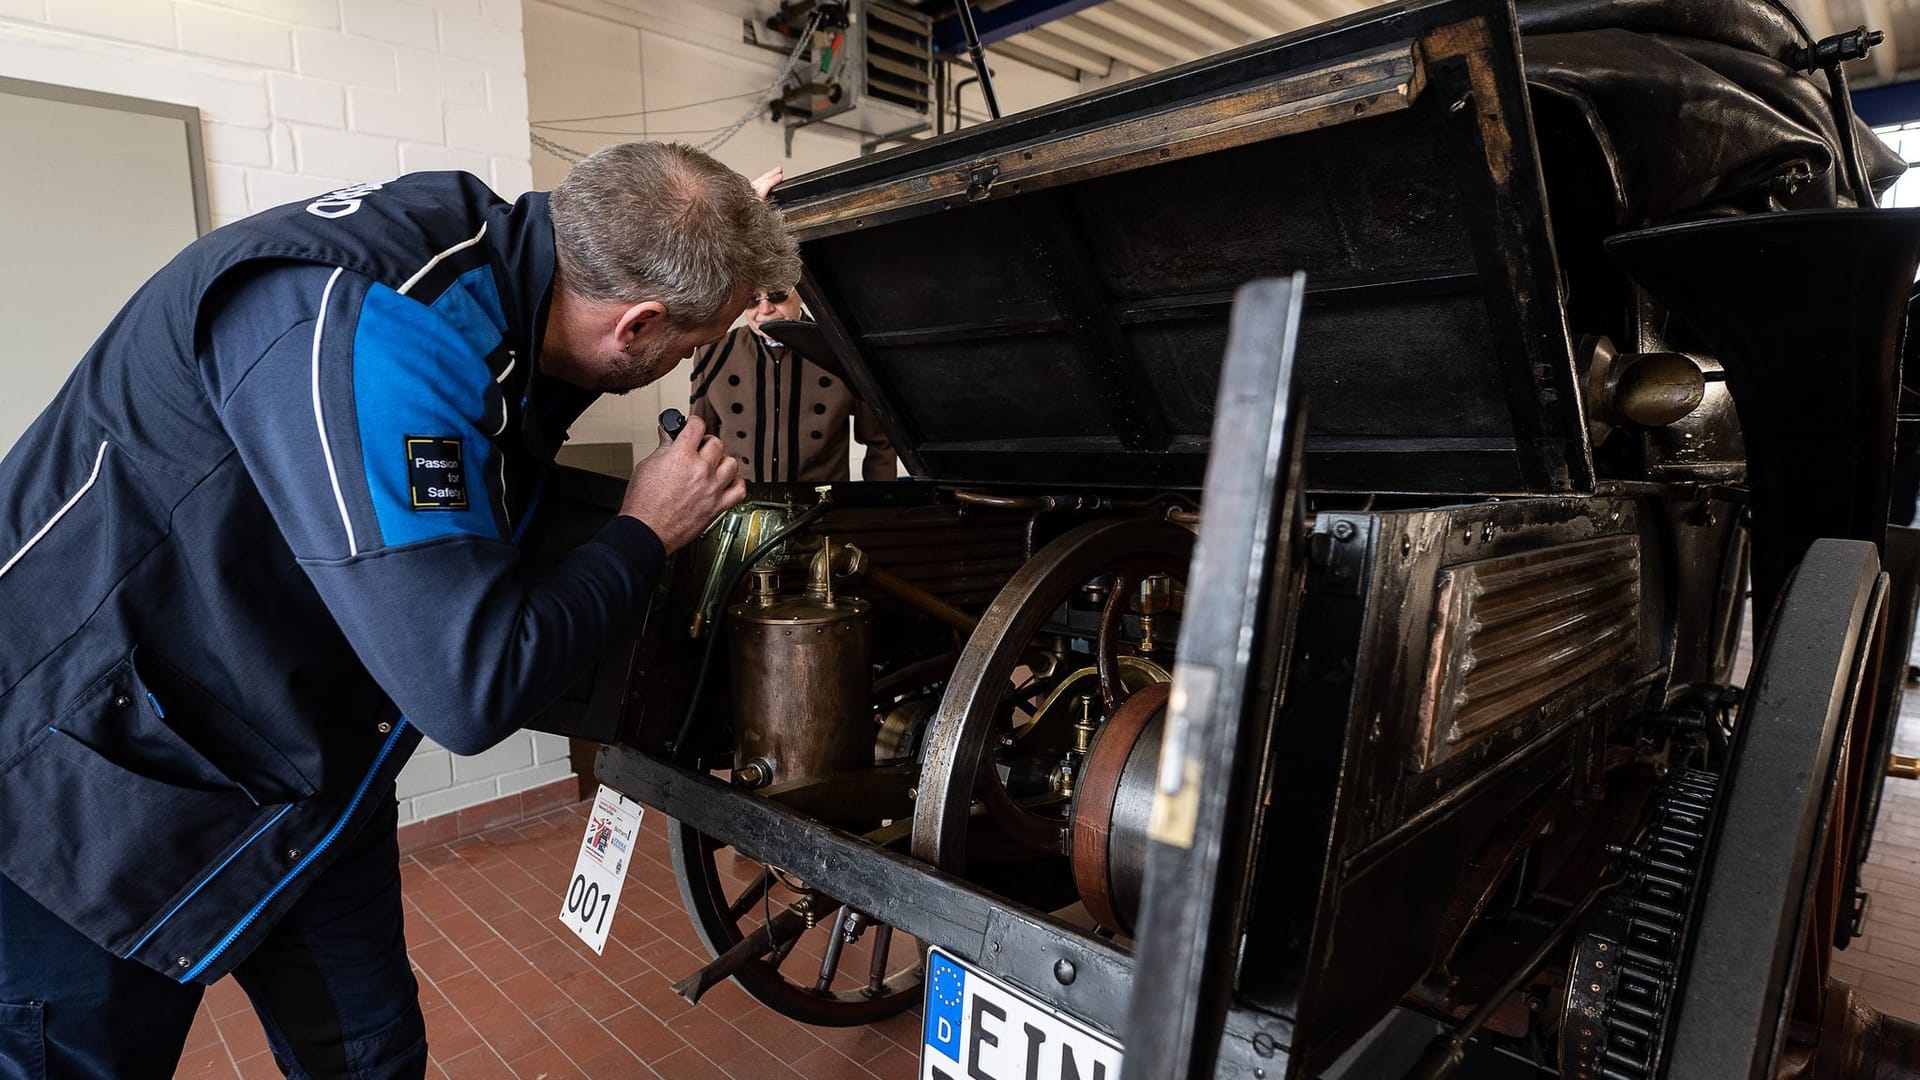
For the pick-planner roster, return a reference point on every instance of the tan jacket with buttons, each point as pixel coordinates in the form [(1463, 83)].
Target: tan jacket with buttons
[(782, 415)]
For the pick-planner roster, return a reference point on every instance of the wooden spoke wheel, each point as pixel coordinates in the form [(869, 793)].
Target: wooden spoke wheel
[(803, 954)]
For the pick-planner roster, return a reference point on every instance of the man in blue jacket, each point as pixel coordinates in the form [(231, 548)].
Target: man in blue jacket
[(265, 538)]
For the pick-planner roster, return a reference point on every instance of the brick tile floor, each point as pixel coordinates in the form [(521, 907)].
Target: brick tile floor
[(1885, 963), (509, 993)]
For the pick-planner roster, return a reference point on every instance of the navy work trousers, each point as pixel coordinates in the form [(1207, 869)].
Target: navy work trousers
[(331, 985)]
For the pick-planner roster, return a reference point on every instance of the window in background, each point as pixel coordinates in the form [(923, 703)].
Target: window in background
[(1905, 140)]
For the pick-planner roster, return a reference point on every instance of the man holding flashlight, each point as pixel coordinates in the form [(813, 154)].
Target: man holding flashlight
[(267, 537)]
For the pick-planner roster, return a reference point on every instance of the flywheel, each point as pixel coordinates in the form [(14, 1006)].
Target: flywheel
[(958, 768)]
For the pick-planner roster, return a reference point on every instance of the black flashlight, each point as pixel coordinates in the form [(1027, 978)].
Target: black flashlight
[(672, 421)]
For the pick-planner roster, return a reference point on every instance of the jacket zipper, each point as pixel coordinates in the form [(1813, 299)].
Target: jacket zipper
[(325, 842)]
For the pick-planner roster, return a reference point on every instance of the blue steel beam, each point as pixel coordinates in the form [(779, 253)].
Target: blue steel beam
[(1898, 103), (1014, 17)]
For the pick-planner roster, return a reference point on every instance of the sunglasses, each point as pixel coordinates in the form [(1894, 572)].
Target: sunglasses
[(773, 296)]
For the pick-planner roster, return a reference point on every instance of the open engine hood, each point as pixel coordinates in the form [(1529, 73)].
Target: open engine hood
[(1043, 299)]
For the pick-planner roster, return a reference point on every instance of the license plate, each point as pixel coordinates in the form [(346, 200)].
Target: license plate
[(979, 1028)]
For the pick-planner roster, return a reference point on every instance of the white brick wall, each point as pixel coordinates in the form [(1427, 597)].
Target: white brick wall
[(437, 782), (306, 101), (230, 35), (298, 97), (319, 150), (342, 59), (148, 23), (401, 24), (482, 41), (465, 83)]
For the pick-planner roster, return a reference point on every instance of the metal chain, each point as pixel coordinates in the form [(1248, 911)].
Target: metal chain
[(773, 91), (564, 153)]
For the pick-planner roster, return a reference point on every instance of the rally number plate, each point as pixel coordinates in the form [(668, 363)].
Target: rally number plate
[(979, 1027), (586, 908)]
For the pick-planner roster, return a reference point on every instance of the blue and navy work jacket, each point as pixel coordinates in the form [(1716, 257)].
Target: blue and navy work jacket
[(264, 539)]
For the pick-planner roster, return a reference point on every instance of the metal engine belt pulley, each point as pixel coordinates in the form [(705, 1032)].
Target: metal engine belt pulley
[(1110, 809), (957, 736)]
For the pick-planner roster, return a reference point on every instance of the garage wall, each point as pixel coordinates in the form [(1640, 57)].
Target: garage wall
[(301, 96), (588, 58), (298, 97)]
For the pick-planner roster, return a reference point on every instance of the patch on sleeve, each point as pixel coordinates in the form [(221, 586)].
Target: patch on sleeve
[(436, 480)]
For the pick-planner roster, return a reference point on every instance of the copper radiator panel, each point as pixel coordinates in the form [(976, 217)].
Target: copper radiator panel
[(963, 558), (1516, 634)]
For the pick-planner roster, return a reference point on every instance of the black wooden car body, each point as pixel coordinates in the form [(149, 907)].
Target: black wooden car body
[(1466, 587)]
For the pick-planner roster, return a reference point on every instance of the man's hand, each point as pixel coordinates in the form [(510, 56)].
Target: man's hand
[(680, 488), (765, 181)]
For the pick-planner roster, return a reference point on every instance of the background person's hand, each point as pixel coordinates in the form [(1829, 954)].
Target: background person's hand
[(765, 181), (680, 488)]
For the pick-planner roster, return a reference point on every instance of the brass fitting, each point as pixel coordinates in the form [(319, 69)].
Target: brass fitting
[(1062, 778), (766, 586), (820, 573), (754, 774), (1083, 723), (831, 561), (1154, 595), (1066, 774), (850, 562)]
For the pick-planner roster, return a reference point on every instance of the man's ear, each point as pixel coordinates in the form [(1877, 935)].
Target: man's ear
[(637, 320)]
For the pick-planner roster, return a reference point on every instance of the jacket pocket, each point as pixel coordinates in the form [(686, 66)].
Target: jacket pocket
[(104, 846), (213, 742), (23, 1043)]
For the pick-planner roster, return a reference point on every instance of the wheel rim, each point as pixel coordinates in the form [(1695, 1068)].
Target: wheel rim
[(723, 911), (1753, 995)]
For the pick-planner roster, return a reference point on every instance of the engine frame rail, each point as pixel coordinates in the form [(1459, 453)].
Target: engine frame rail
[(1009, 942)]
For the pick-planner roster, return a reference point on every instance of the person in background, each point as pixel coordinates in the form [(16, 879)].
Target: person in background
[(782, 416)]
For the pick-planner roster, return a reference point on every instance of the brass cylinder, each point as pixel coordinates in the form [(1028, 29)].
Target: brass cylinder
[(1657, 389), (802, 686)]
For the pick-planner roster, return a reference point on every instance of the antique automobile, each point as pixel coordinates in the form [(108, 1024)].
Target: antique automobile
[(1309, 643)]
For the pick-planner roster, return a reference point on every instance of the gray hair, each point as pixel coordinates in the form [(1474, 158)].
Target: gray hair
[(661, 221)]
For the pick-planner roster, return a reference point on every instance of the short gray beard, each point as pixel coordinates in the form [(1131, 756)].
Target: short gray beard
[(630, 372)]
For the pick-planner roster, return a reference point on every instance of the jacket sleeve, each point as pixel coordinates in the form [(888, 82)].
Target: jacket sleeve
[(368, 427)]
